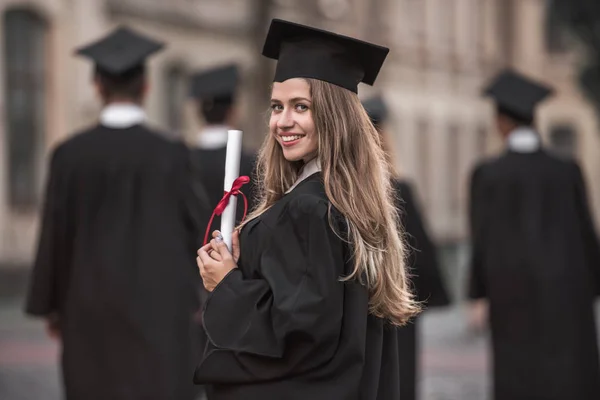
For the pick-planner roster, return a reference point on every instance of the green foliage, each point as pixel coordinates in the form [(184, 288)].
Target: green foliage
[(582, 19)]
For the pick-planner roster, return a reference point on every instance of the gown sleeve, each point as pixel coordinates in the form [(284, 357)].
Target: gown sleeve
[(51, 258), (588, 232), (426, 270), (194, 198), (288, 320), (476, 282)]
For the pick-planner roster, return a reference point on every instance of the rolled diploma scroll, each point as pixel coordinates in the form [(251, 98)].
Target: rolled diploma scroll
[(232, 172)]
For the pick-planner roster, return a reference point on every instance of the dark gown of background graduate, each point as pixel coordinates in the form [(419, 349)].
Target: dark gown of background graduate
[(116, 258), (427, 281), (536, 258), (116, 261), (292, 329), (215, 90), (424, 268)]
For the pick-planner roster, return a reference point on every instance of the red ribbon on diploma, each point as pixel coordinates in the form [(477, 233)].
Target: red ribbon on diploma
[(220, 208)]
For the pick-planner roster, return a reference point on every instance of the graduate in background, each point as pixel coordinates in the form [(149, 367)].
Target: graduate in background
[(423, 263), (535, 258), (215, 93), (115, 273)]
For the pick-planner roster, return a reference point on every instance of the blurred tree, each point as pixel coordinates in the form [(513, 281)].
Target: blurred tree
[(582, 19)]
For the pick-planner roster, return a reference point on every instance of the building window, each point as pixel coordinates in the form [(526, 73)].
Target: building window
[(176, 91), (506, 28), (472, 38), (416, 22), (424, 160), (25, 97), (556, 36), (563, 140), (334, 9), (453, 167), (442, 25)]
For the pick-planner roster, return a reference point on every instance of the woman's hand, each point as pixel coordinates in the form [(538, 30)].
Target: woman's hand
[(477, 313), (215, 261), (53, 327)]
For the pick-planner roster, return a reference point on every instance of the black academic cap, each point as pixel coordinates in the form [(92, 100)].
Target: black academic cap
[(306, 52), (376, 109), (517, 94), (216, 82), (120, 51)]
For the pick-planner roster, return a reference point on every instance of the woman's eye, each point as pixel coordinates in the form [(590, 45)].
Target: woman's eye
[(276, 107), (301, 107)]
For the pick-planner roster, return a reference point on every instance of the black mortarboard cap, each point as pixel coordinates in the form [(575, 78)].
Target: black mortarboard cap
[(376, 109), (306, 52), (120, 51), (215, 83), (516, 94)]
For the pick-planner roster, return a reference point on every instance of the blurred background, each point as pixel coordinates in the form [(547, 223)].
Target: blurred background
[(442, 52)]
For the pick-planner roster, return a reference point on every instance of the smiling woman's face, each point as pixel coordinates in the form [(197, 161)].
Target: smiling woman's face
[(291, 119)]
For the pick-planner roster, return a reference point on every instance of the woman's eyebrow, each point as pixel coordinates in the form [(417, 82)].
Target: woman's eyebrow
[(298, 99)]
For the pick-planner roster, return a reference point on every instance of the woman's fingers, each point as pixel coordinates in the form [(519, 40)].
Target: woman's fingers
[(206, 247), (203, 255), (220, 247), (201, 268), (214, 261), (215, 255), (235, 245)]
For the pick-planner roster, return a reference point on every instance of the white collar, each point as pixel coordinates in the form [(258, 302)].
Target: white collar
[(212, 137), (122, 115), (523, 140), (310, 168)]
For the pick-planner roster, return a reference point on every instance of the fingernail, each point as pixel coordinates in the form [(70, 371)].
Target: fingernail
[(219, 238)]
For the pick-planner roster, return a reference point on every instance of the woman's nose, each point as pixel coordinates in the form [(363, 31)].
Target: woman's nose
[(285, 120)]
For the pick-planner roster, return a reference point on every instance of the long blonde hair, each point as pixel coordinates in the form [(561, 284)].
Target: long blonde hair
[(349, 147)]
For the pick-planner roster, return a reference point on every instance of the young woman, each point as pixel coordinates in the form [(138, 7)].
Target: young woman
[(306, 306)]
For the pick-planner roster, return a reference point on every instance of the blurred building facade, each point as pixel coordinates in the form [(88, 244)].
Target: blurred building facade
[(442, 53)]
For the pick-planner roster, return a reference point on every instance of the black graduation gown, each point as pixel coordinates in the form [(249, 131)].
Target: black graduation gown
[(536, 259), (116, 261), (427, 282), (283, 325), (210, 165)]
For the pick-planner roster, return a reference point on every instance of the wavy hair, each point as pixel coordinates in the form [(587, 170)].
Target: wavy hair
[(349, 146)]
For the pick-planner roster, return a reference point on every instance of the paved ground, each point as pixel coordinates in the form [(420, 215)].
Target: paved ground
[(27, 358), (455, 364)]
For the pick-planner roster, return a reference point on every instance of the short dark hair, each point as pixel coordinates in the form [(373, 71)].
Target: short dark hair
[(216, 110), (516, 118), (129, 85)]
